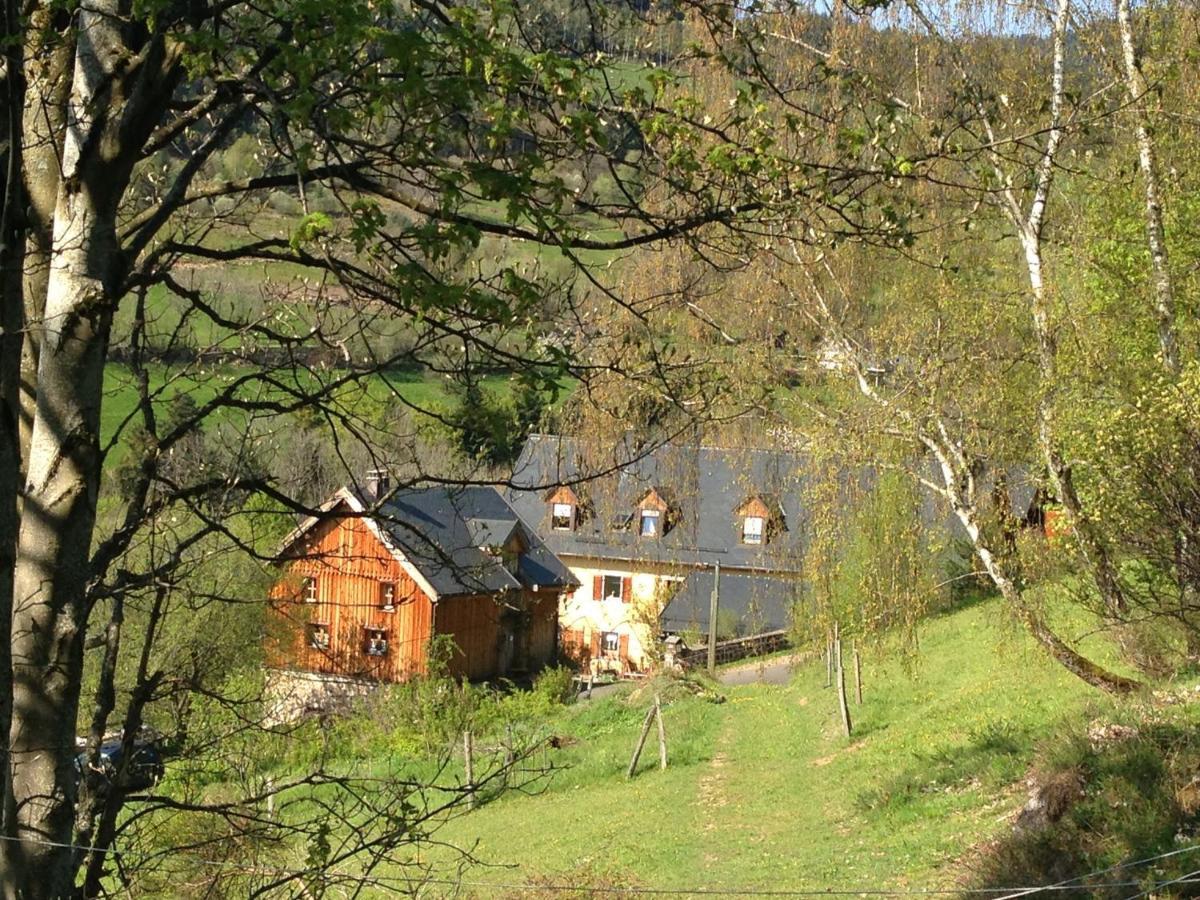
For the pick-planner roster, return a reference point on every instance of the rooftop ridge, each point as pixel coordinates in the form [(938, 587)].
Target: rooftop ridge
[(570, 438)]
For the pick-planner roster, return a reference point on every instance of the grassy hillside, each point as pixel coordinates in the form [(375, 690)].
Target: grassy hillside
[(763, 791)]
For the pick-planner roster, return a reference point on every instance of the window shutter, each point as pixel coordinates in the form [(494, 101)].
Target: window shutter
[(598, 587), (624, 651), (595, 645), (626, 589)]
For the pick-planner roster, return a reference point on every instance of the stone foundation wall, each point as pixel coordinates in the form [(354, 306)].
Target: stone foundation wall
[(293, 695)]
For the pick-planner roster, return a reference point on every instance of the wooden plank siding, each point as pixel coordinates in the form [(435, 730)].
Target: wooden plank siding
[(350, 566), (473, 623), (492, 638), (543, 628)]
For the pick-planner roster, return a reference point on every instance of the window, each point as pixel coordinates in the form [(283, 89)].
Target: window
[(387, 596), (562, 517), (375, 641), (610, 642), (611, 587), (309, 590), (317, 635), (752, 530), (649, 526)]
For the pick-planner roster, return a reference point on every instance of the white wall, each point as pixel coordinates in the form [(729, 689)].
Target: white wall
[(636, 619)]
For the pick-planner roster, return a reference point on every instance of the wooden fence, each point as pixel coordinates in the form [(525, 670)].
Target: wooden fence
[(736, 648)]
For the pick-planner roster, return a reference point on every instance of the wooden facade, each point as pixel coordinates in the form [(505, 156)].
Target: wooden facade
[(349, 605), (497, 636)]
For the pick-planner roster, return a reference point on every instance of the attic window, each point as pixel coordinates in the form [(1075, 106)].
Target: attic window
[(316, 635), (308, 590), (387, 596), (752, 530), (375, 641), (562, 517), (649, 525)]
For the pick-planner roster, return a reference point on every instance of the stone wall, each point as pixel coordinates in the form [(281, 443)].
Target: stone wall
[(292, 695)]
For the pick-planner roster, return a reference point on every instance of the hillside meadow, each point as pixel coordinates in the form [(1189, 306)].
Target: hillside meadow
[(763, 792)]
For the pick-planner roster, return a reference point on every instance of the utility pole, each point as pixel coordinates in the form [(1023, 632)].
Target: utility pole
[(713, 604)]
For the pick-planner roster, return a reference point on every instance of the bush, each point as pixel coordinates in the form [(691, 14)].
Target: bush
[(284, 203), (555, 686), (1128, 799)]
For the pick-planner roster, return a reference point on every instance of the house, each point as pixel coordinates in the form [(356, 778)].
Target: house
[(376, 574), (644, 533), (652, 535)]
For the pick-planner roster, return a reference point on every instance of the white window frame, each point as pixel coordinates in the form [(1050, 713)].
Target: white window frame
[(755, 536), (650, 515), (387, 596), (312, 629), (376, 641), (560, 512), (605, 650), (604, 592), (309, 590)]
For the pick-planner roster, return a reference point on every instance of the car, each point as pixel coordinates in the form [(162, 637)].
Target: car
[(144, 770)]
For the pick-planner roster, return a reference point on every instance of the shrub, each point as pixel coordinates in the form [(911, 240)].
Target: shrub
[(284, 203), (556, 686)]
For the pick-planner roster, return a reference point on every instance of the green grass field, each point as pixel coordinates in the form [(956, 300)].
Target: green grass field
[(764, 792), (413, 388)]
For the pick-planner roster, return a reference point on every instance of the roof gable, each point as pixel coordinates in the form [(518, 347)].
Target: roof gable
[(445, 537)]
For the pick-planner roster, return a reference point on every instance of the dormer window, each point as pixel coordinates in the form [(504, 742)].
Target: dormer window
[(564, 508), (650, 523), (562, 517), (653, 515), (760, 519), (752, 530)]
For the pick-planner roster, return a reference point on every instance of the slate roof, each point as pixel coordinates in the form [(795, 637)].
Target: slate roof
[(706, 485), (759, 583), (442, 529), (753, 603), (444, 532)]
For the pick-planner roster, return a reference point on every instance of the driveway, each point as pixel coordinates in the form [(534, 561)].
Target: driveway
[(776, 670)]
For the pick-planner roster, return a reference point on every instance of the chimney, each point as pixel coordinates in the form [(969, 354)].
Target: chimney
[(376, 485)]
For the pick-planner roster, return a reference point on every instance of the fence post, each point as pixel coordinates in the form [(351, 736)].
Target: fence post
[(641, 742), (828, 660), (662, 734), (713, 605), (509, 754), (841, 686), (468, 750), (857, 675)]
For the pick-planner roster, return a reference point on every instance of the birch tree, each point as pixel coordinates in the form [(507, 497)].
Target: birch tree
[(461, 169)]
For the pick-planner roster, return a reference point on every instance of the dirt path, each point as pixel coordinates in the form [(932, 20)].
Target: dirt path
[(712, 793)]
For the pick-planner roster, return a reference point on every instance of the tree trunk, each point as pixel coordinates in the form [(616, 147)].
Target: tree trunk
[(1156, 241), (63, 476), (1074, 662), (49, 62), (12, 324)]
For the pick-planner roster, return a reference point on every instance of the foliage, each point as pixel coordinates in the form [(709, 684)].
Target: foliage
[(1131, 793), (871, 555)]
